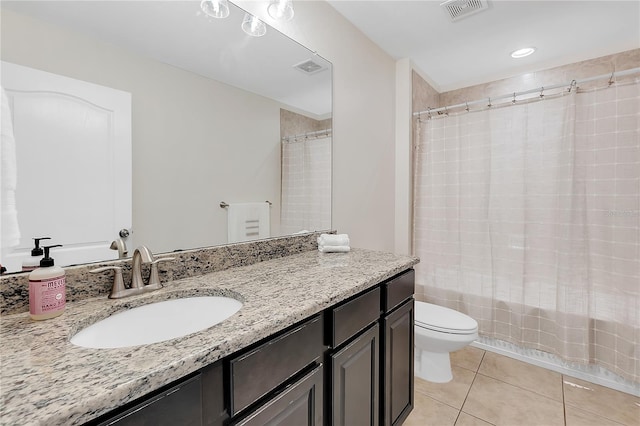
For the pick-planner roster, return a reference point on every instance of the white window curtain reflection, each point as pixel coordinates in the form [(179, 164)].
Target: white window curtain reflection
[(527, 218), (306, 185)]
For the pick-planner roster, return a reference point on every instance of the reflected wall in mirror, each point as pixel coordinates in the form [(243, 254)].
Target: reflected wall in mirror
[(216, 115)]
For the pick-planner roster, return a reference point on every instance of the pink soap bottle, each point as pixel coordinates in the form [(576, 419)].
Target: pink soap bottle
[(47, 293)]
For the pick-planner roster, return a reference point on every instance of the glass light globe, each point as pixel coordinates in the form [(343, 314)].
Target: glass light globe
[(281, 9), (215, 8), (253, 26)]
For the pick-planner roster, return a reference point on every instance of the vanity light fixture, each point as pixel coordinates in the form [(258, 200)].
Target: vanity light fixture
[(215, 8), (521, 53), (281, 9), (253, 26)]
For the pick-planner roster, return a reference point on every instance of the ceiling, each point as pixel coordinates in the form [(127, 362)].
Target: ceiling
[(476, 49)]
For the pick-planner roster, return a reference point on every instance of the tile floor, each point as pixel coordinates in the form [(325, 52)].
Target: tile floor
[(491, 389)]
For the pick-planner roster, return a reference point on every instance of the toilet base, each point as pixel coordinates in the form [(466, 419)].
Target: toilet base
[(433, 366)]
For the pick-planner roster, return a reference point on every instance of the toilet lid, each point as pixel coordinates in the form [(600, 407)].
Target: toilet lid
[(443, 319)]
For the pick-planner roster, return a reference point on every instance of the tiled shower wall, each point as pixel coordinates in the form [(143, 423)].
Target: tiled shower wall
[(424, 96), (292, 123)]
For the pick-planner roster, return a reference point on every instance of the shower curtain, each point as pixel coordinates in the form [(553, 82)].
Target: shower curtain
[(306, 185), (527, 218)]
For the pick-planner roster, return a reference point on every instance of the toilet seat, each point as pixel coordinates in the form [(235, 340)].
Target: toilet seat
[(443, 320)]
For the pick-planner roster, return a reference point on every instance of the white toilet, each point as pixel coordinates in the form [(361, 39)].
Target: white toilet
[(438, 331)]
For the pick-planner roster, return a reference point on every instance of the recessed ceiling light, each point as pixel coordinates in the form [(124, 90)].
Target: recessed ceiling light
[(521, 53)]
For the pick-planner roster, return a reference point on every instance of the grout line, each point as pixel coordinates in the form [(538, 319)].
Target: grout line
[(484, 353), (564, 405), (470, 386), (521, 388), (457, 417), (527, 389)]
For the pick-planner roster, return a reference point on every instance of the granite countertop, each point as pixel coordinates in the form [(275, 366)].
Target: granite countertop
[(47, 380)]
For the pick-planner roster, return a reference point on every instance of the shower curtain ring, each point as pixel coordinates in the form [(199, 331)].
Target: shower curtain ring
[(611, 79), (572, 85), (542, 92), (489, 104), (514, 98), (467, 106)]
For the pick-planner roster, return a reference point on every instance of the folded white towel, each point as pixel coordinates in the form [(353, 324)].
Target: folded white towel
[(333, 240), (334, 249), (248, 221)]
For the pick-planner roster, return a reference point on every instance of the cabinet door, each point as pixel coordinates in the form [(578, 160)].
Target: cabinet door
[(214, 412), (354, 375), (398, 335), (300, 404), (178, 405)]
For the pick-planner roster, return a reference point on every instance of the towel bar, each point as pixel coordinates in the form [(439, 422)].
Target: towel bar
[(224, 205)]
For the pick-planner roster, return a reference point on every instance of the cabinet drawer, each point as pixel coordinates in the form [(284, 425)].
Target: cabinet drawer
[(398, 289), (300, 404), (254, 374), (179, 405), (353, 316)]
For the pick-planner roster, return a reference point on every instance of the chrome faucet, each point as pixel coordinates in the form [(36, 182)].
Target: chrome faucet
[(121, 246), (141, 255)]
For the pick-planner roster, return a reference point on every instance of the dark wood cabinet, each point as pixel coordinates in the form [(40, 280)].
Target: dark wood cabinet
[(355, 381), (300, 404), (180, 404), (214, 411), (349, 365), (255, 373), (397, 377)]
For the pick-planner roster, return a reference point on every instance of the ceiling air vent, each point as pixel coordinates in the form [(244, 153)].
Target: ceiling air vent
[(459, 9), (309, 67)]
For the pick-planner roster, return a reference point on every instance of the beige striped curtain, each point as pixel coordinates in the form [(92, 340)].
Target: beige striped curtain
[(306, 185), (527, 218)]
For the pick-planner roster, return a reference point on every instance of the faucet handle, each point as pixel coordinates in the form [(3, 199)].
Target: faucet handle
[(118, 288), (154, 279)]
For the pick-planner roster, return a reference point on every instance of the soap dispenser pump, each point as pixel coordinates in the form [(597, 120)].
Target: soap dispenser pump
[(47, 289), (33, 261)]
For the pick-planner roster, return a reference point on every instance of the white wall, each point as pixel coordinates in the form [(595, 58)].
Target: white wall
[(404, 158), (196, 142), (363, 120), (363, 128)]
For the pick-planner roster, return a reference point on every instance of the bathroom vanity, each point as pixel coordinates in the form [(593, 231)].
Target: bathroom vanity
[(320, 339)]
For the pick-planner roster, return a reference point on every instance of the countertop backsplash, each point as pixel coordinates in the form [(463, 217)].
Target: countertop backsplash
[(81, 284)]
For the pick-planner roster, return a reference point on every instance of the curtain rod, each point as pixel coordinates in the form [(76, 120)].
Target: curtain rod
[(540, 89), (308, 134)]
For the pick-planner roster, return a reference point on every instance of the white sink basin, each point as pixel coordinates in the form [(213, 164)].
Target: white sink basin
[(157, 322)]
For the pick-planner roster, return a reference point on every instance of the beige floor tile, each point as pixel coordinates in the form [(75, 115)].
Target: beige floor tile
[(527, 376), (465, 419), (617, 406), (503, 404), (576, 417), (467, 357), (428, 411), (452, 393)]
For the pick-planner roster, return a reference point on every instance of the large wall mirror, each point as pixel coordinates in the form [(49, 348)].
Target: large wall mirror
[(217, 118)]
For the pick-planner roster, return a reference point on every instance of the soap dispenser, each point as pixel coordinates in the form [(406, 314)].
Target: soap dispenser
[(47, 294), (33, 262)]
